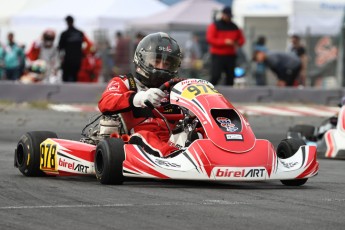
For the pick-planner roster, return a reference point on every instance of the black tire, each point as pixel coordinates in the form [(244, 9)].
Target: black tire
[(27, 153), (288, 147), (296, 182), (308, 131), (109, 158)]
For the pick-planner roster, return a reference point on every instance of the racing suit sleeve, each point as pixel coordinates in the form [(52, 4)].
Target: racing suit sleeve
[(116, 97)]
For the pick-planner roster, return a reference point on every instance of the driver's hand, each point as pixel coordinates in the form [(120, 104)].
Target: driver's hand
[(154, 95)]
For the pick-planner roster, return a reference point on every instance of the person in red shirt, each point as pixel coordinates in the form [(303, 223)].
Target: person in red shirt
[(91, 66), (157, 59), (224, 37)]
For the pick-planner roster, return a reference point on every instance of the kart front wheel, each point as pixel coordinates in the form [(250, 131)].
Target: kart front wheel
[(27, 153), (295, 182), (109, 157), (288, 147)]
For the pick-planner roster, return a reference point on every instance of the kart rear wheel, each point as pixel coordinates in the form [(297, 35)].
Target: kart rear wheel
[(307, 131), (27, 153), (109, 157), (296, 182), (288, 147)]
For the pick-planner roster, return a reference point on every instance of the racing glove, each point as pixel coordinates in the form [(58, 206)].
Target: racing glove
[(154, 95)]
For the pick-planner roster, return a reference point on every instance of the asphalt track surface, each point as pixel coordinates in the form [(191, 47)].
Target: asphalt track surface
[(83, 203)]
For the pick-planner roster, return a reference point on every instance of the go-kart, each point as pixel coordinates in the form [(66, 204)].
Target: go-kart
[(328, 137), (216, 144)]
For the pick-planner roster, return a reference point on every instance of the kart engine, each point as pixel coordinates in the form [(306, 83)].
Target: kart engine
[(107, 125)]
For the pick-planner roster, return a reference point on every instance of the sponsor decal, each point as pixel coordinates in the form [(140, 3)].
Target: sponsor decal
[(114, 86), (176, 145), (72, 166), (168, 111), (230, 172), (167, 163), (194, 81), (164, 100), (289, 164), (227, 124), (234, 137), (131, 83), (167, 49)]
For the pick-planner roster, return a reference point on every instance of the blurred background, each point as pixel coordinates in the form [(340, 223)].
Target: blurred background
[(318, 23)]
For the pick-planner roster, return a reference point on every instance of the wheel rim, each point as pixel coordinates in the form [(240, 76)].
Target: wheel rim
[(99, 162), (20, 155)]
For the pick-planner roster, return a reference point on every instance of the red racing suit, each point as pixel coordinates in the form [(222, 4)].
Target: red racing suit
[(118, 98)]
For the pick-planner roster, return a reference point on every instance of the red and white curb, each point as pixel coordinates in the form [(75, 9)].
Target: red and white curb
[(279, 110), (289, 110), (73, 108)]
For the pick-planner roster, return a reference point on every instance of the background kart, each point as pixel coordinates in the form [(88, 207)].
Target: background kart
[(216, 141), (329, 137)]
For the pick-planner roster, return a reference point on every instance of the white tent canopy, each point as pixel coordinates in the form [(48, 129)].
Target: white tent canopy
[(316, 17), (188, 15), (7, 10), (319, 17), (89, 15)]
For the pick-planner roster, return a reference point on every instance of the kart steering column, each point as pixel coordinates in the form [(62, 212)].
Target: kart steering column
[(150, 105)]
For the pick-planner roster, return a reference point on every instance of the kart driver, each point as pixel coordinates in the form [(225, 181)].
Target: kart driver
[(157, 59)]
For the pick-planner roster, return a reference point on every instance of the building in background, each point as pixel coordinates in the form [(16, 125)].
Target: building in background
[(172, 2), (317, 22)]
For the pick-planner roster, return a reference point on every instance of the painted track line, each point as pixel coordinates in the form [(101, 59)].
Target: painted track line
[(203, 203)]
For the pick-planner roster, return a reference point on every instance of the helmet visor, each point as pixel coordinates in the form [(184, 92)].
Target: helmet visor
[(161, 61)]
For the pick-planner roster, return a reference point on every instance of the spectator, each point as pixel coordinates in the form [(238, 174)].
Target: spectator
[(44, 50), (298, 49), (286, 66), (122, 52), (2, 63), (91, 67), (224, 37), (71, 45), (12, 58), (260, 68), (192, 58)]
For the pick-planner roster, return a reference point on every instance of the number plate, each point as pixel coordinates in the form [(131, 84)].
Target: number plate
[(194, 90), (48, 150)]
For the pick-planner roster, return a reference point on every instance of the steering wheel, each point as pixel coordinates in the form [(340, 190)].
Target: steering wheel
[(165, 86), (169, 84)]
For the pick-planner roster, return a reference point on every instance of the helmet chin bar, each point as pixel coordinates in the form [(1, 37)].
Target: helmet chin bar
[(153, 77)]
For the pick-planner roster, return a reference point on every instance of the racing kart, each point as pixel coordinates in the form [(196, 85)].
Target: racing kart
[(216, 144), (328, 137)]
